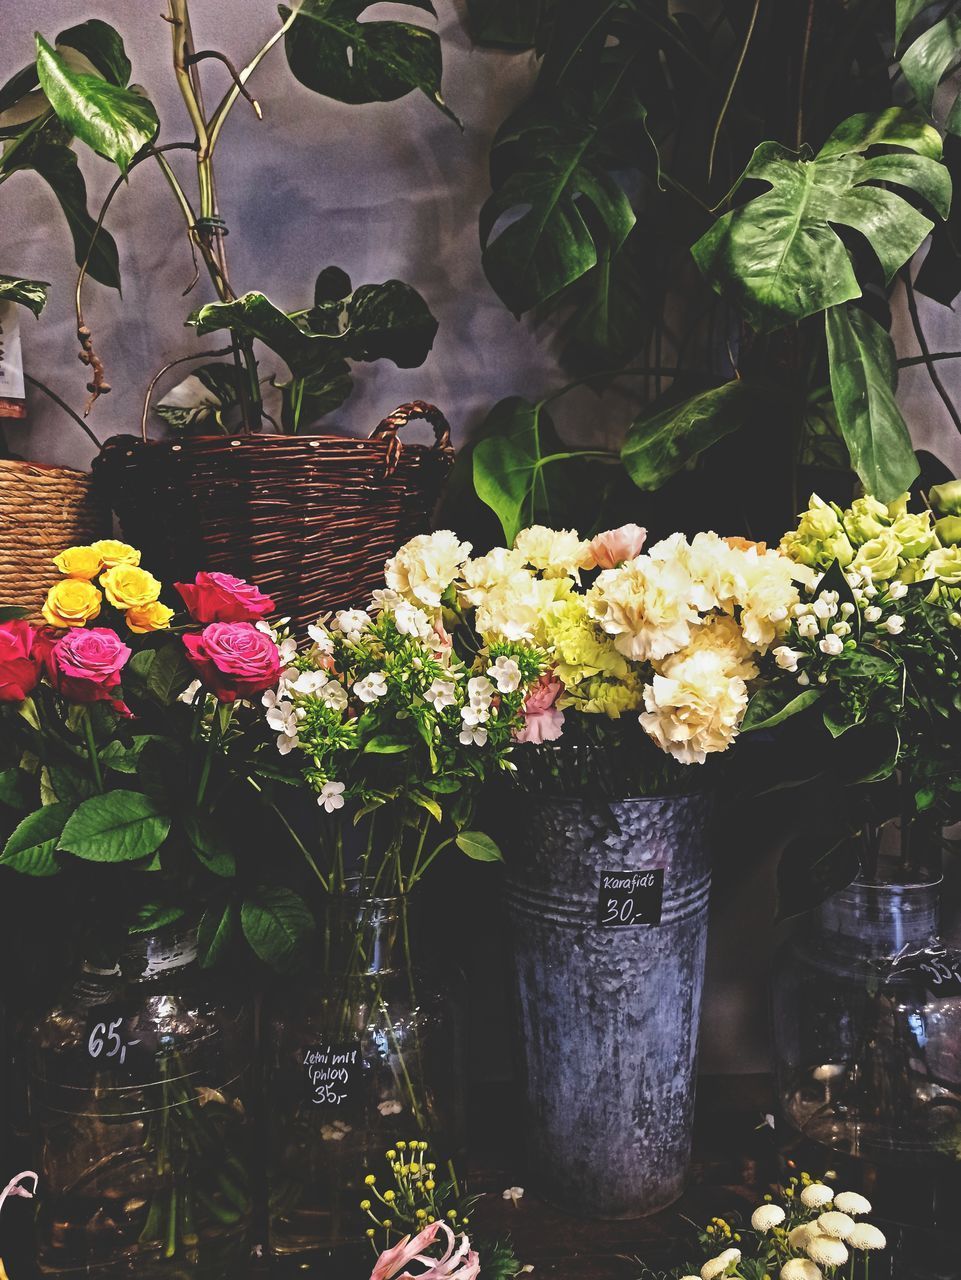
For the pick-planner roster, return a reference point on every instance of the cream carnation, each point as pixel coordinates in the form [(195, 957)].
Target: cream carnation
[(646, 606), (557, 553), (826, 1251), (864, 1237), (515, 610), (770, 593), (816, 1196), (425, 567), (696, 710), (766, 1216), (715, 1267), (853, 1203), (719, 633), (498, 570)]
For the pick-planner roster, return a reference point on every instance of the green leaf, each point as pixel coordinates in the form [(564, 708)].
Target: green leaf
[(14, 788), (429, 805), (939, 276), (204, 395), (932, 57), (215, 934), (478, 846), (31, 849), (118, 826), (563, 201), (772, 706), (659, 443), (57, 165), (113, 121), (277, 924), (384, 745), (69, 783), (103, 48), (779, 258), (812, 867), (28, 293), (905, 13), (306, 400), (334, 54), (155, 915), (255, 316), (864, 378), (389, 321), (209, 844), (124, 757), (170, 673)]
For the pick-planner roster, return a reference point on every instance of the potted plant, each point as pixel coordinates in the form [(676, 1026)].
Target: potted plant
[(343, 504)]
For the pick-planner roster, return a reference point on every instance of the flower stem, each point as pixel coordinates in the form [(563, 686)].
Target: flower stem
[(91, 741)]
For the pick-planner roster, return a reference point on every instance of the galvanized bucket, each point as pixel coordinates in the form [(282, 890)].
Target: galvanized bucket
[(608, 908)]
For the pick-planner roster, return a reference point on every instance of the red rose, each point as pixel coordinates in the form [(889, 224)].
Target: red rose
[(234, 659), (21, 660), (85, 665), (220, 597)]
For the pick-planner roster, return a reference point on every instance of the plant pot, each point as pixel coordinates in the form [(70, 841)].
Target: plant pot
[(42, 511), (310, 519), (140, 1083), (608, 908), (364, 1051)]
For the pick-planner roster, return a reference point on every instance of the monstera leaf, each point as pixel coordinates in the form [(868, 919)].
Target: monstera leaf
[(330, 51), (113, 121), (551, 174), (29, 293), (930, 58), (779, 256), (864, 379)]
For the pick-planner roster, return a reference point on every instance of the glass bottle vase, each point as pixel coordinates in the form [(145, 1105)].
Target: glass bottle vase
[(140, 1085), (363, 1052)]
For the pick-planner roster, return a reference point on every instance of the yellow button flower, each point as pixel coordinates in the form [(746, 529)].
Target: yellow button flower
[(128, 587), (79, 562), (113, 552), (71, 603), (149, 617)]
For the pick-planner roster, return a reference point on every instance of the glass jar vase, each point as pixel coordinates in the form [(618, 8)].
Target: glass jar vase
[(364, 1051), (139, 1096), (867, 1029)]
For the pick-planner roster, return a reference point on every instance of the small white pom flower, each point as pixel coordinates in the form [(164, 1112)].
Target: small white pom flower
[(331, 796), (894, 625), (804, 679), (717, 1266), (323, 640), (835, 1224), (335, 696), (842, 629), (872, 613), (865, 1237), (766, 1216), (897, 590), (441, 694), (352, 623), (514, 1194), (853, 1203), (798, 1237), (808, 626), (473, 735), (371, 687), (816, 1196), (800, 1269), (826, 605), (480, 691), (832, 645), (826, 1251), (847, 608), (505, 673), (787, 658)]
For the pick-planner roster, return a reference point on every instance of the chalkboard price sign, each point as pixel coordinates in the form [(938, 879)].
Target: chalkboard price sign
[(332, 1073), (630, 897)]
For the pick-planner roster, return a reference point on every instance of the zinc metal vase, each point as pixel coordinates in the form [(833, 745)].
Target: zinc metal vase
[(607, 902)]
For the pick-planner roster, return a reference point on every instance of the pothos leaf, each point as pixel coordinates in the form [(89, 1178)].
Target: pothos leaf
[(29, 293), (204, 395), (778, 256)]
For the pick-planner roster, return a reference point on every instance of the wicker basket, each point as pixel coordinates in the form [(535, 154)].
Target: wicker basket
[(42, 511), (310, 519)]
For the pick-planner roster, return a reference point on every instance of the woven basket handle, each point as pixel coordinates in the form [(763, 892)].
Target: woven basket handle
[(403, 415)]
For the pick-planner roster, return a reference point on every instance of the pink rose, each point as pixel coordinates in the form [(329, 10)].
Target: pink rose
[(21, 660), (543, 720), (220, 597), (85, 665), (234, 659), (612, 548)]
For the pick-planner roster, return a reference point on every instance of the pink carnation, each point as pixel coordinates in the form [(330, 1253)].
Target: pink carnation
[(543, 719), (612, 548), (220, 597)]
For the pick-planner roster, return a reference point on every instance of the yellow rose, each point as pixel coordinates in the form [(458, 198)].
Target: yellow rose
[(149, 617), (113, 552), (71, 603), (128, 587), (79, 562)]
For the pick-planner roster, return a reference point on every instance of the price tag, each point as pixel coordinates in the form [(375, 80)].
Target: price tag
[(941, 975), (112, 1040), (332, 1074), (12, 403), (630, 897)]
